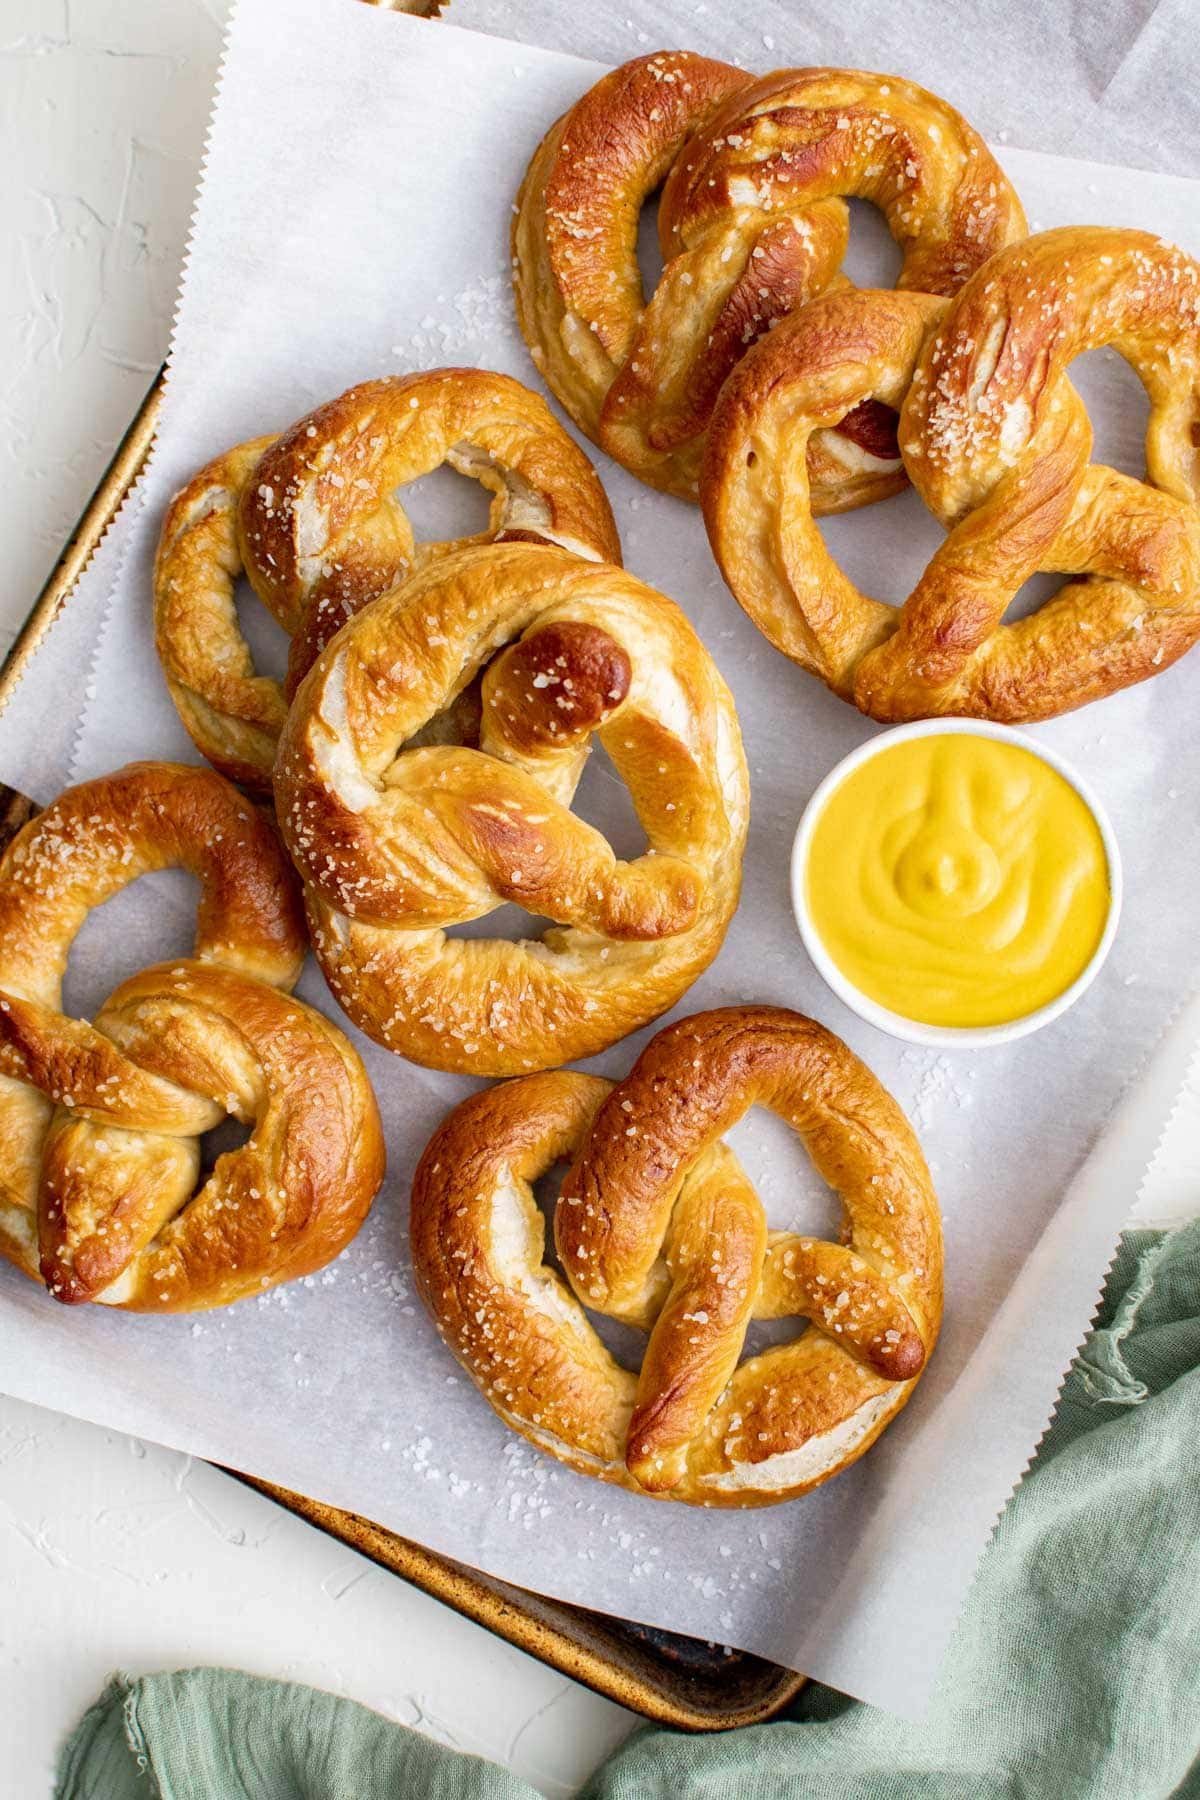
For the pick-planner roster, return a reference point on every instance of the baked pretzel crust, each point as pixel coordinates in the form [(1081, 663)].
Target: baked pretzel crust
[(657, 1225), (402, 830), (997, 442), (99, 1121)]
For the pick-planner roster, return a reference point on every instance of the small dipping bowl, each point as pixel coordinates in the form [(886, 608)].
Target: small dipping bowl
[(915, 1031)]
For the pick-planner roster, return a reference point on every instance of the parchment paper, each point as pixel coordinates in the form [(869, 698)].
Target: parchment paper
[(1118, 81), (353, 220)]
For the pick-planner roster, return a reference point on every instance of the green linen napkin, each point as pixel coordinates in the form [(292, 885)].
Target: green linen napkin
[(1074, 1672)]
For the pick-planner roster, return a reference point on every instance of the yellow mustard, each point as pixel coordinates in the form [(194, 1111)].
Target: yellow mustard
[(958, 880)]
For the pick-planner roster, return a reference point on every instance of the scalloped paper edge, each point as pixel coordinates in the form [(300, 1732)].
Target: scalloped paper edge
[(134, 502)]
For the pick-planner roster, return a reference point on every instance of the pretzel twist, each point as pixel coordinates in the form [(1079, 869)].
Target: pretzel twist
[(99, 1121), (997, 442), (657, 1225), (752, 224), (397, 843), (313, 520)]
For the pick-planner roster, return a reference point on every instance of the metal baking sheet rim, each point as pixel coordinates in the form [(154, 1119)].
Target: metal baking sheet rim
[(673, 1680)]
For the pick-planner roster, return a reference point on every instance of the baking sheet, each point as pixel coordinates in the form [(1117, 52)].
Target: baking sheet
[(353, 220)]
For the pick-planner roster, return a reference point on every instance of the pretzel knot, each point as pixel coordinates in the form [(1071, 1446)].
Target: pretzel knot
[(400, 834), (313, 520), (658, 1226), (99, 1121), (997, 442), (753, 224)]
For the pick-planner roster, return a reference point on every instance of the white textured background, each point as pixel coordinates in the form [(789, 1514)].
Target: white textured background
[(119, 1554)]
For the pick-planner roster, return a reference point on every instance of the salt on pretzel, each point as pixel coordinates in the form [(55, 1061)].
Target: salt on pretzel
[(314, 520), (99, 1121), (398, 843), (658, 1225), (997, 442), (753, 224)]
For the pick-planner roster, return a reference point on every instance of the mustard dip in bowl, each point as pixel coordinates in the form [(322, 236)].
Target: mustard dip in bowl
[(955, 883)]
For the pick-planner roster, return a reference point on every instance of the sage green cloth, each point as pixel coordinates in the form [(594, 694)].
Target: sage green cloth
[(1074, 1673)]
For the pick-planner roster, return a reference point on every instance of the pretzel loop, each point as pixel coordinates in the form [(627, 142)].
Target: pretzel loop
[(399, 840), (99, 1121), (314, 521), (232, 713), (658, 1225), (752, 224)]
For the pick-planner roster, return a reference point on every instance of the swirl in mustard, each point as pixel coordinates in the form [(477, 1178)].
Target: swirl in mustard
[(958, 880)]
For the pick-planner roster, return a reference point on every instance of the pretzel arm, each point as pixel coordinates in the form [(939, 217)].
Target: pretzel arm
[(91, 1230), (843, 1296), (503, 836), (78, 1067), (715, 1251)]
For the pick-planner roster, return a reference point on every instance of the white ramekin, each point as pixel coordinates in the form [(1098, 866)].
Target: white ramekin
[(948, 1037)]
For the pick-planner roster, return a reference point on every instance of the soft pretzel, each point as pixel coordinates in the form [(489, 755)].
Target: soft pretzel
[(996, 441), (313, 519), (99, 1121), (753, 224), (657, 1225), (397, 843)]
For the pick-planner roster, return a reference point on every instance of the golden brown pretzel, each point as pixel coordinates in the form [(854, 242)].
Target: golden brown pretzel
[(997, 442), (396, 843), (314, 520), (99, 1121), (753, 224), (657, 1225)]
